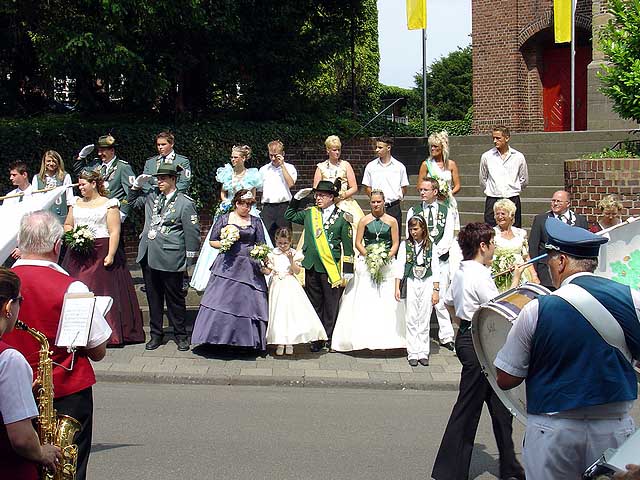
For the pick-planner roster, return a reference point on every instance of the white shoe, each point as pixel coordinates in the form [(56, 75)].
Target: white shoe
[(280, 350), (288, 350)]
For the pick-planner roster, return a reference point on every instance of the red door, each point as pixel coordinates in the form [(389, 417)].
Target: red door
[(556, 88)]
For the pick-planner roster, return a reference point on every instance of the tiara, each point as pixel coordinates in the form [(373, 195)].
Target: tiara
[(247, 196)]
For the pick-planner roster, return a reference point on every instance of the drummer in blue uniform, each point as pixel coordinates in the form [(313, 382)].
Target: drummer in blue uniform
[(575, 350)]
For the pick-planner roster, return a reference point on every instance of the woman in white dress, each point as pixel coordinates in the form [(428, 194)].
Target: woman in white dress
[(233, 177), (369, 317), (512, 247), (292, 318)]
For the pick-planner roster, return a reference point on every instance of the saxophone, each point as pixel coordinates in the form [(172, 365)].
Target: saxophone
[(55, 429)]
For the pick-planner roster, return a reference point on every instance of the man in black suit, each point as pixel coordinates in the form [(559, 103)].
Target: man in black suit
[(560, 209)]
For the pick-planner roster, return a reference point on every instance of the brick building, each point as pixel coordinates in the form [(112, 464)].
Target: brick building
[(521, 78)]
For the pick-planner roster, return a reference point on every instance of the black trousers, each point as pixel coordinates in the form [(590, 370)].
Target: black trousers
[(488, 211), (160, 287), (79, 406), (454, 456), (325, 300), (396, 212), (273, 217)]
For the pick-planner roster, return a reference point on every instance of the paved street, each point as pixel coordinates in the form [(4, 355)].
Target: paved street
[(159, 432)]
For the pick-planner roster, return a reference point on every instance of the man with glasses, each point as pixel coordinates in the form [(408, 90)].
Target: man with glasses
[(560, 209), (327, 236)]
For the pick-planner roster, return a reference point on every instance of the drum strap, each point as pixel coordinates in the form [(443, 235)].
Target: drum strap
[(597, 315)]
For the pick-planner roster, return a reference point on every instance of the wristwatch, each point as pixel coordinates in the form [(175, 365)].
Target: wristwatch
[(436, 289)]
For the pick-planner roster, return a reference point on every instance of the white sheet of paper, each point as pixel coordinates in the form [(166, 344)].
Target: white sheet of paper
[(627, 453), (75, 319)]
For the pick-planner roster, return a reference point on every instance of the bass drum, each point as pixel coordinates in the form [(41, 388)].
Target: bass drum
[(489, 328)]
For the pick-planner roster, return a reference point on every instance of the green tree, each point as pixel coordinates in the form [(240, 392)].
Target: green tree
[(620, 41)]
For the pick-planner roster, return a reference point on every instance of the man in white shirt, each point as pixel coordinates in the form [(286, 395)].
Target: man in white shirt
[(19, 177), (471, 287), (278, 177), (389, 175), (503, 174), (440, 223)]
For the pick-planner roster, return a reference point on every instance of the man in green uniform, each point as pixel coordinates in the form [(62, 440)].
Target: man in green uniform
[(167, 156), (117, 174), (169, 243), (327, 237)]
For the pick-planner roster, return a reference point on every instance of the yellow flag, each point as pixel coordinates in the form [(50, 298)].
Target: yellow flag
[(416, 14), (561, 20)]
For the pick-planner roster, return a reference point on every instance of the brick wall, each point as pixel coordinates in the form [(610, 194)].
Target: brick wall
[(590, 180), (305, 157)]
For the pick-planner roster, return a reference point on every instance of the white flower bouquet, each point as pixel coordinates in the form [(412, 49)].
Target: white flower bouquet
[(260, 252), (377, 257), (228, 236), (502, 260), (80, 239)]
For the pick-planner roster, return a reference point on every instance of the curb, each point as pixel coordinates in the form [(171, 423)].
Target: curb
[(283, 381)]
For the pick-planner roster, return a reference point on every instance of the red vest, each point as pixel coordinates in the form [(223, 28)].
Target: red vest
[(43, 290), (12, 464)]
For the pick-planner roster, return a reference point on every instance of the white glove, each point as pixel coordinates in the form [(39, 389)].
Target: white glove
[(141, 180), (86, 150), (304, 193), (347, 277)]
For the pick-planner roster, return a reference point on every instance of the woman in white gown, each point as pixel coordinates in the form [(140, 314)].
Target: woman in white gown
[(369, 316), (233, 177)]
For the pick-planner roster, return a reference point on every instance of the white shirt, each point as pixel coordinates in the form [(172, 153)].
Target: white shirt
[(503, 178), (100, 330), (51, 182), (389, 177), (16, 398), (15, 200), (274, 186), (444, 245), (326, 213), (471, 287), (567, 217)]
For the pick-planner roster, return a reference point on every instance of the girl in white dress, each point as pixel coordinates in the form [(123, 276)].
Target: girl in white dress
[(292, 318), (420, 270)]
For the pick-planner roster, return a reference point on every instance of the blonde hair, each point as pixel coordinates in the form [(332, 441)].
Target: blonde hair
[(56, 156), (244, 150), (277, 144), (608, 202), (333, 141), (506, 205), (441, 139)]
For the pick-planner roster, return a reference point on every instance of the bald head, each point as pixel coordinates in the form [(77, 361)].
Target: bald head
[(560, 202)]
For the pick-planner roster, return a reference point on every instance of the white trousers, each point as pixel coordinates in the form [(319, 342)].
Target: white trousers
[(563, 448), (445, 329), (418, 319)]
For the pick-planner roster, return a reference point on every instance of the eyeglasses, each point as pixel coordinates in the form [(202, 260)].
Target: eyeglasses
[(559, 201)]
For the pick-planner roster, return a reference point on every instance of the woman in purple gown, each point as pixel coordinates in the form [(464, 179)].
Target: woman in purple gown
[(233, 309)]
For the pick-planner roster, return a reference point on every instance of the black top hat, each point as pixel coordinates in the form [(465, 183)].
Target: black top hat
[(329, 187)]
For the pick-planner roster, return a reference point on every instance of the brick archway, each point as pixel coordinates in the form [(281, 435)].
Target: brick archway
[(546, 21)]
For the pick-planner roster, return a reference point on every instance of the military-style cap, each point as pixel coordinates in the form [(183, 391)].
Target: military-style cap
[(106, 141), (168, 169), (574, 241), (329, 187)]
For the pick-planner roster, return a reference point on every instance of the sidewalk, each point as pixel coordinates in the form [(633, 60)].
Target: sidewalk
[(209, 365)]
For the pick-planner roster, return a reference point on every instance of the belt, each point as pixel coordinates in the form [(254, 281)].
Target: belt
[(392, 204), (465, 326), (274, 203)]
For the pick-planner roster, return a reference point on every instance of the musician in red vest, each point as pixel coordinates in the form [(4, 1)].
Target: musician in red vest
[(20, 448), (44, 284)]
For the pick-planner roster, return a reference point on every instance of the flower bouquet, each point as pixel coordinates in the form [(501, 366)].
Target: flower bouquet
[(80, 239), (377, 257), (502, 260), (228, 236), (223, 207), (260, 252)]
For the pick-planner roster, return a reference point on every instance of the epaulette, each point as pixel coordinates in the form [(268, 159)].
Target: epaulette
[(348, 216), (188, 197), (123, 161)]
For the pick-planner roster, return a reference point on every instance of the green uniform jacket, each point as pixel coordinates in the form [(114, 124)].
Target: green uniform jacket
[(177, 240), (151, 167), (117, 180), (339, 236)]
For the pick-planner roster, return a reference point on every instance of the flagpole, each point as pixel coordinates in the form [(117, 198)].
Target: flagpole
[(573, 65), (424, 80)]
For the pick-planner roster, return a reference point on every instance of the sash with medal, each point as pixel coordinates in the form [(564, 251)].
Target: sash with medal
[(156, 217), (323, 248)]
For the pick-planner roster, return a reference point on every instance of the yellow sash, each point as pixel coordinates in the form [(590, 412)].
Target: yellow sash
[(324, 251)]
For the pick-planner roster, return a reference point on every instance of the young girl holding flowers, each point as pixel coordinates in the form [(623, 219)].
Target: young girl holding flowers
[(292, 318), (420, 271)]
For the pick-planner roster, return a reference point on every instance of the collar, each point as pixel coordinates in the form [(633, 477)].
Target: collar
[(26, 190), (39, 263), (575, 275), (329, 210), (510, 151), (110, 162), (391, 160), (168, 155), (426, 205), (171, 195)]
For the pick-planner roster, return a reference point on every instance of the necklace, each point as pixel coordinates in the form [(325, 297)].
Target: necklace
[(377, 231)]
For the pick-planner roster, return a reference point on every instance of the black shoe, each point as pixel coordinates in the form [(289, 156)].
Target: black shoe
[(413, 362), (316, 346), (154, 343), (183, 344), (424, 362), (449, 346)]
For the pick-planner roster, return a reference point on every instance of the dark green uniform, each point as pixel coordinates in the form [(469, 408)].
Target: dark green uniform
[(152, 164)]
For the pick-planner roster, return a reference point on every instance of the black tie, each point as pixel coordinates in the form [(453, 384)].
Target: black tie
[(103, 170), (430, 217), (163, 200)]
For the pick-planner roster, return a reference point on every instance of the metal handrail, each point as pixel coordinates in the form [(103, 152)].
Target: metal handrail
[(374, 118)]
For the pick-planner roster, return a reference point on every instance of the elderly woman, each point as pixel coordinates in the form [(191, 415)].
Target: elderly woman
[(610, 208), (512, 247), (233, 309), (443, 169)]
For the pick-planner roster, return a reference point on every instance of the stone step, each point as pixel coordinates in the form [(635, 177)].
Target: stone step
[(529, 205)]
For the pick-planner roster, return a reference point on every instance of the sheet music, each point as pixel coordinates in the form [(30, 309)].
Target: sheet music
[(75, 320)]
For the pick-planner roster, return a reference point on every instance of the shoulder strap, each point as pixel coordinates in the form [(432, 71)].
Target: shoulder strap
[(597, 315)]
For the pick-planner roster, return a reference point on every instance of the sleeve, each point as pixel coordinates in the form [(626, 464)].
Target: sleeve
[(184, 181), (292, 171), (486, 288), (294, 215), (16, 398), (484, 172), (406, 226), (523, 172), (78, 166), (298, 257), (346, 235), (253, 179), (534, 237), (366, 176), (444, 245), (514, 356), (220, 223), (401, 258), (405, 179), (127, 179), (34, 181), (435, 269), (257, 224), (113, 202), (522, 233), (191, 227), (136, 199), (224, 176), (70, 195)]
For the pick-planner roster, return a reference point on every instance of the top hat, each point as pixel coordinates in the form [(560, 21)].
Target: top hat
[(574, 241)]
